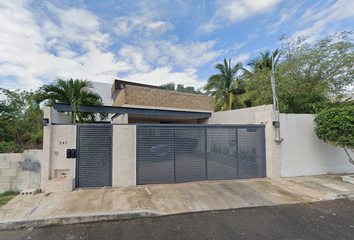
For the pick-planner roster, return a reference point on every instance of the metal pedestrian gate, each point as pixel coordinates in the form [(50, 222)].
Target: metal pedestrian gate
[(94, 155), (185, 153)]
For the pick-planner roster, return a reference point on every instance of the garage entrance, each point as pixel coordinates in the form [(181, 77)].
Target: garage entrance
[(185, 153), (94, 155)]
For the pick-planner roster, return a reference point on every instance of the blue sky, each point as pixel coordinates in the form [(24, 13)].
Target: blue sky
[(152, 42)]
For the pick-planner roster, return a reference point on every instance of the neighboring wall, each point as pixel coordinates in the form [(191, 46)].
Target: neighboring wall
[(304, 154), (145, 96), (20, 171)]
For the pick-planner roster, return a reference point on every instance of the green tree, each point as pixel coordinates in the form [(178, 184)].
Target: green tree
[(265, 61), (335, 126), (171, 86), (226, 87), (20, 121), (309, 78), (76, 93)]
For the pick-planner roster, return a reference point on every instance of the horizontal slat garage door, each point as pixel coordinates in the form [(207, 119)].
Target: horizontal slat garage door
[(185, 153)]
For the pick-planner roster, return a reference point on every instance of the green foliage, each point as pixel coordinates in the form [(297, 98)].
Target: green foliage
[(180, 88), (76, 93), (171, 86), (5, 197), (20, 121), (336, 126), (309, 78), (226, 88)]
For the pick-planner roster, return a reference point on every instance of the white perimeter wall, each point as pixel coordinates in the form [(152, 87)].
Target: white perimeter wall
[(302, 153), (238, 116)]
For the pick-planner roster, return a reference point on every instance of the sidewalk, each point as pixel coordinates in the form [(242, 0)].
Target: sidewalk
[(153, 200)]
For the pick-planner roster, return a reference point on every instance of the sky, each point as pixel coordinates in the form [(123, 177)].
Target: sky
[(152, 42)]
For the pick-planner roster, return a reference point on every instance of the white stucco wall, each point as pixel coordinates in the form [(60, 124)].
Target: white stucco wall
[(238, 116), (302, 153), (104, 90), (58, 117)]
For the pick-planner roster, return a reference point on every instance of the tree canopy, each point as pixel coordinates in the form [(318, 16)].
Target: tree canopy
[(20, 121), (336, 126), (171, 86), (309, 77)]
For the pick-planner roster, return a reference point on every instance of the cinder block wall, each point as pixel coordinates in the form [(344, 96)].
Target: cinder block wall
[(124, 156), (20, 171), (144, 96)]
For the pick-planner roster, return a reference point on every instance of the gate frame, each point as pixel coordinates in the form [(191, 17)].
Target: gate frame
[(244, 126), (77, 151)]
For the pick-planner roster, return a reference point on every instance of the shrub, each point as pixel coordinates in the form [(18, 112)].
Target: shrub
[(336, 126)]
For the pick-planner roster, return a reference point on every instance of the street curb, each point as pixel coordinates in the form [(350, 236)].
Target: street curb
[(338, 196), (77, 218)]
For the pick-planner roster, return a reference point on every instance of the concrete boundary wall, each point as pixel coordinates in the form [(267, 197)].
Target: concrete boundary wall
[(304, 154), (19, 171)]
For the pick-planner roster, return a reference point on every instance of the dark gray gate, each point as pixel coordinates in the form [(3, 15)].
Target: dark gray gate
[(94, 155), (185, 153)]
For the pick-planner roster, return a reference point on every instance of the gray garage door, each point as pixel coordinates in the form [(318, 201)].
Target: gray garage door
[(94, 155), (185, 153)]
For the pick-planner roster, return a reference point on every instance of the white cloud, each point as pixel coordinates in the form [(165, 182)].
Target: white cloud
[(193, 54), (284, 20), (168, 53), (238, 46), (321, 16), (39, 46), (163, 75), (144, 22), (234, 11), (65, 43), (241, 57), (134, 56)]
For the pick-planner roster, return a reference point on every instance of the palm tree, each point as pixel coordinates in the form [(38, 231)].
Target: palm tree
[(76, 93), (265, 61), (225, 87)]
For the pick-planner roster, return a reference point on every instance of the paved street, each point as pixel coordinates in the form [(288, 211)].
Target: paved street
[(320, 220)]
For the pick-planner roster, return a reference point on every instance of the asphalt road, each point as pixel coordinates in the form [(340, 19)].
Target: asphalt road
[(320, 220)]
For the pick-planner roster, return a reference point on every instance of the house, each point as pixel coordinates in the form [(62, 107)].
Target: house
[(154, 136)]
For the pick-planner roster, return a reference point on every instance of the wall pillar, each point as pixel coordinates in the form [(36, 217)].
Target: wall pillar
[(47, 134), (273, 149), (124, 156)]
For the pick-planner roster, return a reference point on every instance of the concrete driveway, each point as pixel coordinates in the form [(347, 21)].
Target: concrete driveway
[(152, 200)]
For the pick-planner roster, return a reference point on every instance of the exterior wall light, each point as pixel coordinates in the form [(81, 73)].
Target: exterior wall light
[(45, 121)]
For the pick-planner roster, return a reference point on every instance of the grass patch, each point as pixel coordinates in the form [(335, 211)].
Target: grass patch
[(5, 197)]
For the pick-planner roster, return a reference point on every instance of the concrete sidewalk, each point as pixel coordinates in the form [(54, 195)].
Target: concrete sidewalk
[(152, 200)]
